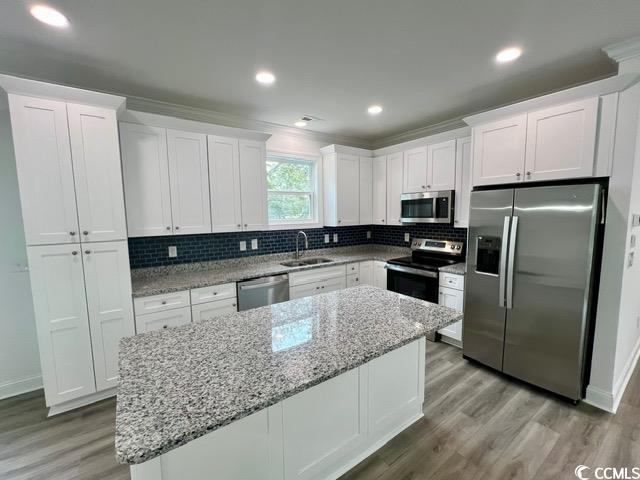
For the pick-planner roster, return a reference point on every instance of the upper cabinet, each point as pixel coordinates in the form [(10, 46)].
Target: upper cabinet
[(253, 184), (224, 180), (366, 190), (549, 144), (395, 166), (463, 182), (379, 204), (430, 168), (68, 164), (341, 182), (415, 170)]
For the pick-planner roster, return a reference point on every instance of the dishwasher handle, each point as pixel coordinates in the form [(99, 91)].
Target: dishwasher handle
[(263, 282)]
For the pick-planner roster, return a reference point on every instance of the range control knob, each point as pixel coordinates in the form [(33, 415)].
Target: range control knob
[(458, 247), (453, 247)]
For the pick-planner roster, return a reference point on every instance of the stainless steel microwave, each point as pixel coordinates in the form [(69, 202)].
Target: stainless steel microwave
[(427, 207)]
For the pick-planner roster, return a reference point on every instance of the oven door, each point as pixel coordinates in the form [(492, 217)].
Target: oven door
[(413, 282), (427, 207)]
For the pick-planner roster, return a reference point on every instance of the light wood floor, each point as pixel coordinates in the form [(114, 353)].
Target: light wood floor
[(478, 424)]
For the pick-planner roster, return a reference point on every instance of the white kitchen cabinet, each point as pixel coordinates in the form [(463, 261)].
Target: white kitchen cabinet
[(463, 182), (379, 203), (415, 170), (441, 166), (561, 141), (161, 302), (224, 180), (366, 191), (499, 151), (366, 273), (98, 173), (45, 172), (189, 182), (253, 184), (108, 290), (380, 274), (451, 294), (60, 307), (353, 280), (341, 184), (209, 310), (316, 288), (146, 180), (394, 187), (213, 293), (162, 320)]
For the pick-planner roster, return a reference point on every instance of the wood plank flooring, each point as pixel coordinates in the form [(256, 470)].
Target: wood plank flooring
[(478, 424)]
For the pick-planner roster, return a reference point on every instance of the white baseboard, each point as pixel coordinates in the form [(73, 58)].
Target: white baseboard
[(17, 387), (599, 398), (81, 402)]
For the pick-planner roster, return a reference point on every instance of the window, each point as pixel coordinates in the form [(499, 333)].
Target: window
[(292, 187)]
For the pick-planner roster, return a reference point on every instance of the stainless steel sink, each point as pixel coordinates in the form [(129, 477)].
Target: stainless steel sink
[(305, 261)]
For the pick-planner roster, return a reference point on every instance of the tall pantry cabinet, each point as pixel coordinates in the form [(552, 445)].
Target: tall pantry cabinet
[(69, 174)]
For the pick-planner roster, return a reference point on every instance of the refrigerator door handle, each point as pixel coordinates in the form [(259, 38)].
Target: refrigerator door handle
[(503, 261), (513, 236)]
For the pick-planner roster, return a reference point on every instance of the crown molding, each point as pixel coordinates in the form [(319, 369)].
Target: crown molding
[(623, 51), (335, 148), (418, 133)]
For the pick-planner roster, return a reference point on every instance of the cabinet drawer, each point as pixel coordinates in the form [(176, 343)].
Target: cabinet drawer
[(207, 311), (316, 275), (159, 303), (353, 268), (353, 280), (213, 293), (163, 320), (451, 280)]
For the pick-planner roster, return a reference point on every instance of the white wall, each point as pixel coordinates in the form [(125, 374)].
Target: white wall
[(19, 360), (286, 143)]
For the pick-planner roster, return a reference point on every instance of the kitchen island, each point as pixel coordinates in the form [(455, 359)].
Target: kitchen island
[(301, 389)]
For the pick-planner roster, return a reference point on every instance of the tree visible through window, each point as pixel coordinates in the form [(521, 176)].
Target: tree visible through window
[(291, 189)]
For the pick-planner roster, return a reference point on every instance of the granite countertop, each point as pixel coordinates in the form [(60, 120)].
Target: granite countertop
[(157, 280), (457, 268), (181, 383)]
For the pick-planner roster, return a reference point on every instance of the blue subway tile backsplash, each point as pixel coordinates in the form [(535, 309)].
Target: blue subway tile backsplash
[(154, 251)]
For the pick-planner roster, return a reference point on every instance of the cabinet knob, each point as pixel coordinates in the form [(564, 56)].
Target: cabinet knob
[(176, 227), (85, 232), (383, 220), (424, 186), (233, 304), (165, 326), (339, 221), (239, 225), (518, 174), (72, 233), (87, 252), (428, 187), (317, 288), (357, 279), (163, 302), (74, 252), (528, 174), (246, 225), (215, 293), (168, 228)]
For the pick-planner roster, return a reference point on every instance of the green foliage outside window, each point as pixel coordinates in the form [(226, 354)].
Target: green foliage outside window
[(290, 183)]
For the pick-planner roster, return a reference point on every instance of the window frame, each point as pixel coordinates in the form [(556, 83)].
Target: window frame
[(316, 193)]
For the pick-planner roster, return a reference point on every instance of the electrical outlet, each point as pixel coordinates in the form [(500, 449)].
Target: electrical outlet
[(407, 237), (632, 242), (326, 238), (254, 244), (335, 238), (635, 220), (630, 260), (243, 245), (173, 252), (368, 234)]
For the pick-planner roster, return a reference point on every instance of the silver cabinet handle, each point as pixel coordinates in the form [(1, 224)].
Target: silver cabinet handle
[(74, 253), (72, 233), (502, 272), (513, 236), (87, 252)]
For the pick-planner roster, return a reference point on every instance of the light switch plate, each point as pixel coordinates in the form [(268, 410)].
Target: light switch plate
[(173, 251), (326, 238), (407, 237), (254, 244), (243, 245), (335, 238), (632, 242), (635, 220), (368, 234)]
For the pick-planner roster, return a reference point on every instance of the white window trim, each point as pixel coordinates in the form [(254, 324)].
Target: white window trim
[(317, 221)]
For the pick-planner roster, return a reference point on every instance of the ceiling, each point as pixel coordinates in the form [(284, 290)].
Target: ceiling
[(425, 61)]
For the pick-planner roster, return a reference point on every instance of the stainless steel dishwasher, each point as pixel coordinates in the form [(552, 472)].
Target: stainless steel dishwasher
[(263, 291)]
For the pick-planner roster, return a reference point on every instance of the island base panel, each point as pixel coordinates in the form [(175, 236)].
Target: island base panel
[(319, 433)]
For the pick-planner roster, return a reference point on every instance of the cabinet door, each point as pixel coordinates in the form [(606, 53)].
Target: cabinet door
[(151, 322), (306, 290), (441, 166), (380, 275), (366, 191), (333, 284), (189, 182), (57, 286), (253, 185), (45, 173), (146, 180), (453, 299), (394, 188), (415, 170), (561, 141), (353, 280), (224, 182), (348, 178), (98, 173), (380, 190), (366, 273), (207, 311), (108, 286), (463, 182), (498, 151)]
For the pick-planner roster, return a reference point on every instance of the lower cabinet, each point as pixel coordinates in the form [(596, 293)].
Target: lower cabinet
[(452, 298), (316, 288), (366, 273), (161, 320), (380, 274), (209, 310), (82, 304), (353, 280)]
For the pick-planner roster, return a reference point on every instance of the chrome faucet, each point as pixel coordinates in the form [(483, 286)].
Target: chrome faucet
[(306, 243)]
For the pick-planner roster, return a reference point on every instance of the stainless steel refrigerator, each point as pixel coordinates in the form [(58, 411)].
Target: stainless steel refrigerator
[(532, 264)]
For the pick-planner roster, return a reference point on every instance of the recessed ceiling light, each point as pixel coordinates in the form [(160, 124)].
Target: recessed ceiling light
[(50, 16), (265, 78), (374, 109), (300, 123), (508, 54)]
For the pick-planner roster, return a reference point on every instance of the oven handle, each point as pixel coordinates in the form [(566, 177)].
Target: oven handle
[(414, 271)]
